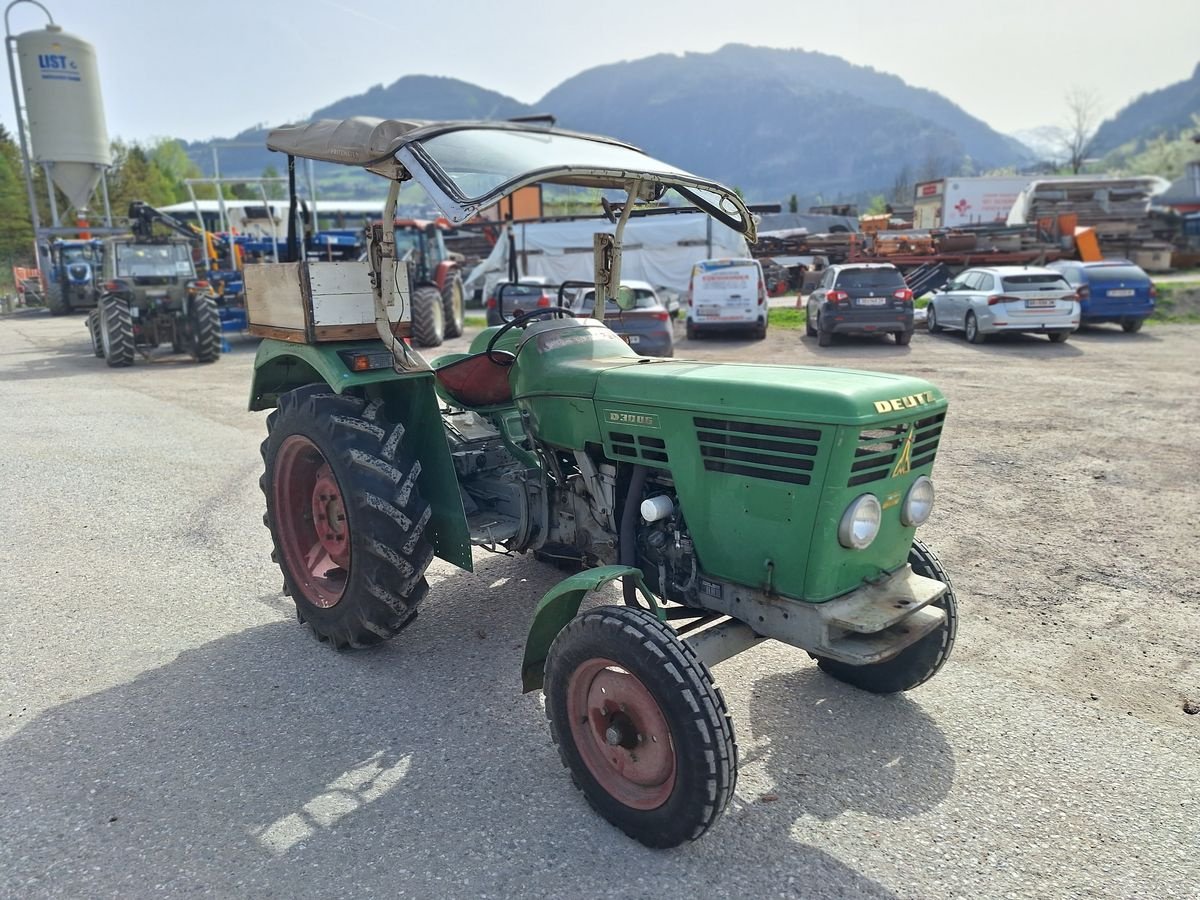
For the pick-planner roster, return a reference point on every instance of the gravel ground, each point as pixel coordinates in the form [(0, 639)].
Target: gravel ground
[(166, 728)]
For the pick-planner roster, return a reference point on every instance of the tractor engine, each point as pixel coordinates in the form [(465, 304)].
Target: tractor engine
[(666, 554)]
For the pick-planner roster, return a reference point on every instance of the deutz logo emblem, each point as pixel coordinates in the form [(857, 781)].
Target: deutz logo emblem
[(904, 463)]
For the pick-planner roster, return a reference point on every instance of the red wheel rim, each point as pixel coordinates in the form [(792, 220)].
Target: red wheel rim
[(310, 522), (621, 734)]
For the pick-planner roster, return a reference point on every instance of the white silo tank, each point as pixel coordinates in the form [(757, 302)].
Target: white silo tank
[(65, 110)]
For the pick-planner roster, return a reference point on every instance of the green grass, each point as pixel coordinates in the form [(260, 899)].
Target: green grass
[(787, 319), (1178, 302), (475, 321)]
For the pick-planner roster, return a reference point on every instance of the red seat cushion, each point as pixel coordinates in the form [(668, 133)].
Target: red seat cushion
[(479, 379)]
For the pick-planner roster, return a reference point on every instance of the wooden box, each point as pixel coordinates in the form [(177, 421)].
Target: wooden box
[(309, 302)]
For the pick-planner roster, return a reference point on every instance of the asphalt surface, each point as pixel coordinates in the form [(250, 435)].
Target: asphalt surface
[(167, 728)]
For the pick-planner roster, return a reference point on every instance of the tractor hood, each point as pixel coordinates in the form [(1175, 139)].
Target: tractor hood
[(787, 393)]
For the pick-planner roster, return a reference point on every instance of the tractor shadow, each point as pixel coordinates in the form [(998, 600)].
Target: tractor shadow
[(263, 763), (830, 749)]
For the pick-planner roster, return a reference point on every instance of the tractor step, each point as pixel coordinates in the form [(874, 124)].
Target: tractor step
[(490, 528)]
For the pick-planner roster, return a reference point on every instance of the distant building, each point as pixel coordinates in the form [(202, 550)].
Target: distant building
[(955, 202)]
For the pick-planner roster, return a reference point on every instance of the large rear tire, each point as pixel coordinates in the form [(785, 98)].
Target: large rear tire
[(916, 664), (346, 516), (203, 340), (640, 725), (454, 306), (428, 317), (116, 332)]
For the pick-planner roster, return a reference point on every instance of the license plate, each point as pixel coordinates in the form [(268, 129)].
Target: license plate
[(1040, 304), (1125, 292), (872, 301), (709, 310), (631, 338)]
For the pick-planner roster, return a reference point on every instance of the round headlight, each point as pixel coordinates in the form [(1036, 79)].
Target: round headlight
[(860, 523), (918, 502)]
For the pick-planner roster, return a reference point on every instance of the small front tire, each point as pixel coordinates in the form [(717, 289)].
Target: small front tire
[(203, 339), (640, 725), (454, 306)]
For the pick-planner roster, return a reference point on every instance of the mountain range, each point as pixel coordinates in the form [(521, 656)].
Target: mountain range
[(770, 122), (1163, 112)]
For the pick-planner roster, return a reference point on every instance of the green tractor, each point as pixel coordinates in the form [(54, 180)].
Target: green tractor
[(732, 503), (150, 294)]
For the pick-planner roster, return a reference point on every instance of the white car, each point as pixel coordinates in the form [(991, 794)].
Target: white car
[(727, 295), (995, 299)]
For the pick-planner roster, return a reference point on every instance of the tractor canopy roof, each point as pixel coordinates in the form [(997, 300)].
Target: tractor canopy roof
[(468, 166)]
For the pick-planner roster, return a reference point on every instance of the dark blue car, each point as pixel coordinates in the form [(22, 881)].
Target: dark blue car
[(1111, 290)]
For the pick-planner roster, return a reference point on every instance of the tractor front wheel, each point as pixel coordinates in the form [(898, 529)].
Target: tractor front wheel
[(916, 664), (454, 306), (93, 327), (640, 725), (346, 516), (203, 329), (56, 300), (428, 317), (116, 332)]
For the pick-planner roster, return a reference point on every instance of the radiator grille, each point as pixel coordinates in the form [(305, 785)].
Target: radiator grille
[(771, 452), (879, 448), (642, 447)]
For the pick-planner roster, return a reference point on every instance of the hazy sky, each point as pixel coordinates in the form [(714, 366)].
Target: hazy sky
[(205, 68)]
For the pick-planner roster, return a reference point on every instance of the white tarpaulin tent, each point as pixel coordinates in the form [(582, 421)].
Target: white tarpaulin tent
[(657, 249)]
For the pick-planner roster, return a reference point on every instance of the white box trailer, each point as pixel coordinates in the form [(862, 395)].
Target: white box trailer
[(955, 202)]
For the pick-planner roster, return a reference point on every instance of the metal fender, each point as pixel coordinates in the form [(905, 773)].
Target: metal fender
[(409, 398), (560, 605)]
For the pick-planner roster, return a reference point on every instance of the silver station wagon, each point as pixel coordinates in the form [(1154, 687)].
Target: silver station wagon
[(987, 301)]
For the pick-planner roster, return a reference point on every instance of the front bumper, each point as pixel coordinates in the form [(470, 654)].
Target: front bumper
[(869, 625)]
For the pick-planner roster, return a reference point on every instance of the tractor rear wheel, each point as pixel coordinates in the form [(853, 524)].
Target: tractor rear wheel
[(916, 664), (346, 516), (640, 725), (428, 317), (203, 329), (454, 305), (116, 332), (93, 327)]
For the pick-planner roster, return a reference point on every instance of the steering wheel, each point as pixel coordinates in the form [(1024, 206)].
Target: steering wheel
[(522, 320)]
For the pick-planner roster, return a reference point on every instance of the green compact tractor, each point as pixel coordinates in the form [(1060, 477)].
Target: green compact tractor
[(150, 295), (732, 503)]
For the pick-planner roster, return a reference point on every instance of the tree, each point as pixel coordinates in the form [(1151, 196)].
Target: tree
[(136, 176), (902, 187), (274, 191), (793, 204), (879, 206), (1079, 130), (16, 226)]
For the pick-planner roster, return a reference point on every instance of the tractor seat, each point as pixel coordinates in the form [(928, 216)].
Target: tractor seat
[(477, 380)]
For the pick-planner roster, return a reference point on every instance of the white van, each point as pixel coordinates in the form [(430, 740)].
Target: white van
[(727, 295)]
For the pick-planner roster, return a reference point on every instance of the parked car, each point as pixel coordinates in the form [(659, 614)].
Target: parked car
[(528, 293), (991, 300), (1111, 290), (646, 328), (859, 298), (727, 295)]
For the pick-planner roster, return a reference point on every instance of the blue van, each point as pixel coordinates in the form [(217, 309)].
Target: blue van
[(1111, 290)]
